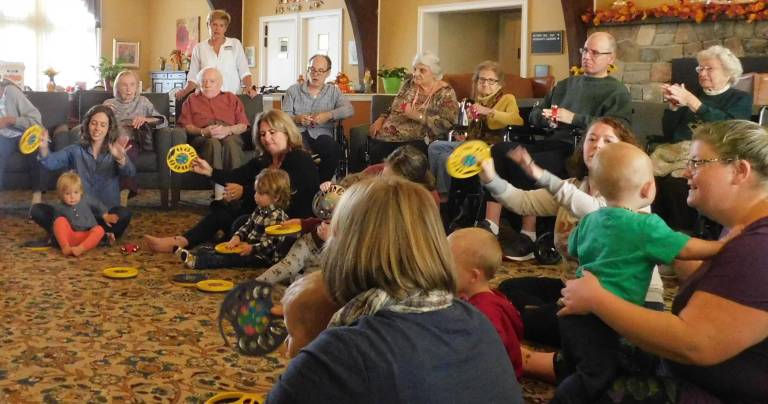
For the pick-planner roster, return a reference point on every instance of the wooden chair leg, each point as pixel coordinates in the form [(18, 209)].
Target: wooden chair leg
[(164, 198)]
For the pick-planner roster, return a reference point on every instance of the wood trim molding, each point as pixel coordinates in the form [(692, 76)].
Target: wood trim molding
[(575, 29), (364, 15), (235, 9)]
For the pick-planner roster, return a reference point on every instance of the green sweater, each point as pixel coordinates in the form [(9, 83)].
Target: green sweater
[(588, 98), (732, 104)]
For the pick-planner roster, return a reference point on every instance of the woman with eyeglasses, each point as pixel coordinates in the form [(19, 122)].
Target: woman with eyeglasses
[(718, 70), (425, 108), (315, 109), (712, 346), (491, 112)]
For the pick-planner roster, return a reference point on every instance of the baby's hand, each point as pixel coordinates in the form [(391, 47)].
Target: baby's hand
[(110, 218), (291, 222), (323, 231), (325, 186), (247, 249), (234, 241)]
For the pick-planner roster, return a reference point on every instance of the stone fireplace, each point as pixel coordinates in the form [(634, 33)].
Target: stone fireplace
[(645, 50)]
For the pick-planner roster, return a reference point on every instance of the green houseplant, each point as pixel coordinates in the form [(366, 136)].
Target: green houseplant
[(108, 71), (392, 78)]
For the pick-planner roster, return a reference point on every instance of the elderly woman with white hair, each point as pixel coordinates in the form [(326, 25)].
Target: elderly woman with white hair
[(137, 119), (718, 70), (214, 120), (425, 107)]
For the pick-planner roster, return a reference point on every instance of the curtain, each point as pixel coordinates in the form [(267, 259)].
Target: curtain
[(94, 7)]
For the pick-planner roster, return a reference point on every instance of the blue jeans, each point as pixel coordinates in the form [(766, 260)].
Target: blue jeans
[(438, 153)]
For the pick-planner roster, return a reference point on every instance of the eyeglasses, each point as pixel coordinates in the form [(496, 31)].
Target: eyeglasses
[(593, 52), (483, 80), (694, 164), (313, 70), (707, 69)]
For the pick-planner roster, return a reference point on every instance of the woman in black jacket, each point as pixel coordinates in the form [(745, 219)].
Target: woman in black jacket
[(277, 137)]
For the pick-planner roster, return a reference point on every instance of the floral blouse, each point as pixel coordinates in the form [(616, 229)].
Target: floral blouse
[(440, 112)]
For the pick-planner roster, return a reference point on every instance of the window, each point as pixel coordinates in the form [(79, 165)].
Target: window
[(49, 33)]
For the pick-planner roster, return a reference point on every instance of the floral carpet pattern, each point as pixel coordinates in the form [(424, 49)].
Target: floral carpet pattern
[(70, 335)]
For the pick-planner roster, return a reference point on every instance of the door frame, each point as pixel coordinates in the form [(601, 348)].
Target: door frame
[(428, 16), (263, 21), (298, 18)]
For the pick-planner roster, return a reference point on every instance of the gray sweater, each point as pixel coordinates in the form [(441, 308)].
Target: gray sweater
[(82, 216), (298, 101), (16, 104)]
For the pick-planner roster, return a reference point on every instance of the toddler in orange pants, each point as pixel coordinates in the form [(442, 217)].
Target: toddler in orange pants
[(75, 226)]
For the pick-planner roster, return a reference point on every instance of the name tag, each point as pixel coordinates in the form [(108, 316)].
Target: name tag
[(228, 47)]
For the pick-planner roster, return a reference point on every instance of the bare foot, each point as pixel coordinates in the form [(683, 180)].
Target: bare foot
[(164, 244), (66, 250), (78, 250)]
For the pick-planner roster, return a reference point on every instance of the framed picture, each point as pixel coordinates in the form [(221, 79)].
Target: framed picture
[(125, 52), (187, 34)]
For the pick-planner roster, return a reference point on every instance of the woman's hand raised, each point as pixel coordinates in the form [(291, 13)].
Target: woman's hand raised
[(200, 166), (118, 151), (522, 158)]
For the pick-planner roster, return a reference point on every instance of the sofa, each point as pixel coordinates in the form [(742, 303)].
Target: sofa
[(54, 109), (152, 171)]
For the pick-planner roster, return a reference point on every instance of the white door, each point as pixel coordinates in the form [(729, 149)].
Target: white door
[(322, 34), (280, 59)]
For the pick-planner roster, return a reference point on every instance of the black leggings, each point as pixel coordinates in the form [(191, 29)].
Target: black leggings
[(221, 217), (329, 151), (536, 300)]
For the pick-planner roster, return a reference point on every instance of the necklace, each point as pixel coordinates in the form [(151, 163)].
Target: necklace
[(423, 105)]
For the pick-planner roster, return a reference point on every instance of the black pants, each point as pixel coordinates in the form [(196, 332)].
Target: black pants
[(591, 349), (43, 215), (221, 217), (212, 260), (329, 151), (536, 300), (379, 150), (670, 203)]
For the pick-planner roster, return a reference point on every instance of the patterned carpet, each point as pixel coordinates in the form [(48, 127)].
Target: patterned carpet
[(70, 335)]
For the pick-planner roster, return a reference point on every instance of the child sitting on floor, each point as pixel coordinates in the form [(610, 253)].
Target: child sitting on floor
[(75, 226), (307, 309), (477, 255), (273, 193), (620, 246), (304, 255)]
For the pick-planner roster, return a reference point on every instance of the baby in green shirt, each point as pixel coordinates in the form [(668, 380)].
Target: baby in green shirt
[(620, 246)]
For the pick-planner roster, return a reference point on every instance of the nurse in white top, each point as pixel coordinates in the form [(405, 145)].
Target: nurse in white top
[(225, 54)]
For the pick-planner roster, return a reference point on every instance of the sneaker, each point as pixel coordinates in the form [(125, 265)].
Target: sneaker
[(182, 253), (516, 246), (488, 225), (190, 260)]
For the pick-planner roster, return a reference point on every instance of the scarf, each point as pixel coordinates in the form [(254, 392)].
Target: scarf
[(478, 129), (374, 300)]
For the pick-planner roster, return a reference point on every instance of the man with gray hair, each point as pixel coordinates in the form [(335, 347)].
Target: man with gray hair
[(214, 121)]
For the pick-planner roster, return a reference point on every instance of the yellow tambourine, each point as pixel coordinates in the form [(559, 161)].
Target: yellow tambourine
[(180, 158), (30, 140), (236, 397), (215, 285), (282, 229), (465, 161), (120, 272), (223, 248)]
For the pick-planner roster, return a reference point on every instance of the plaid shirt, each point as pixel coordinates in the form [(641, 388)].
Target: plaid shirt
[(253, 233)]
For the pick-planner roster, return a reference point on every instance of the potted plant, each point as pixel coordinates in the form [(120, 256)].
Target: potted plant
[(392, 78), (108, 71)]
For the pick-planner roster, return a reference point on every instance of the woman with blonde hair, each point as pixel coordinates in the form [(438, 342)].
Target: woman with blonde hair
[(278, 140), (401, 336), (225, 54)]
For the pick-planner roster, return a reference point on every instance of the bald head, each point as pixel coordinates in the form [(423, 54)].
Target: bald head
[(620, 170), (598, 53), (476, 248)]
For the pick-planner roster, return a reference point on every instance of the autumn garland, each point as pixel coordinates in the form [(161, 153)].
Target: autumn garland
[(697, 11)]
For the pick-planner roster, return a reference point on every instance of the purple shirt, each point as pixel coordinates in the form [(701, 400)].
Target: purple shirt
[(738, 273)]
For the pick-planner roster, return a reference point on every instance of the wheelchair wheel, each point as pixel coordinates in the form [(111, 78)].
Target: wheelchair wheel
[(544, 250)]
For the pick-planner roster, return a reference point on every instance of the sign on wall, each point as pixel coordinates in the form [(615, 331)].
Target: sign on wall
[(547, 42)]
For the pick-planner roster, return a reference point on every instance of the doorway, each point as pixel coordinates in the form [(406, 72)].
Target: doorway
[(464, 34)]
